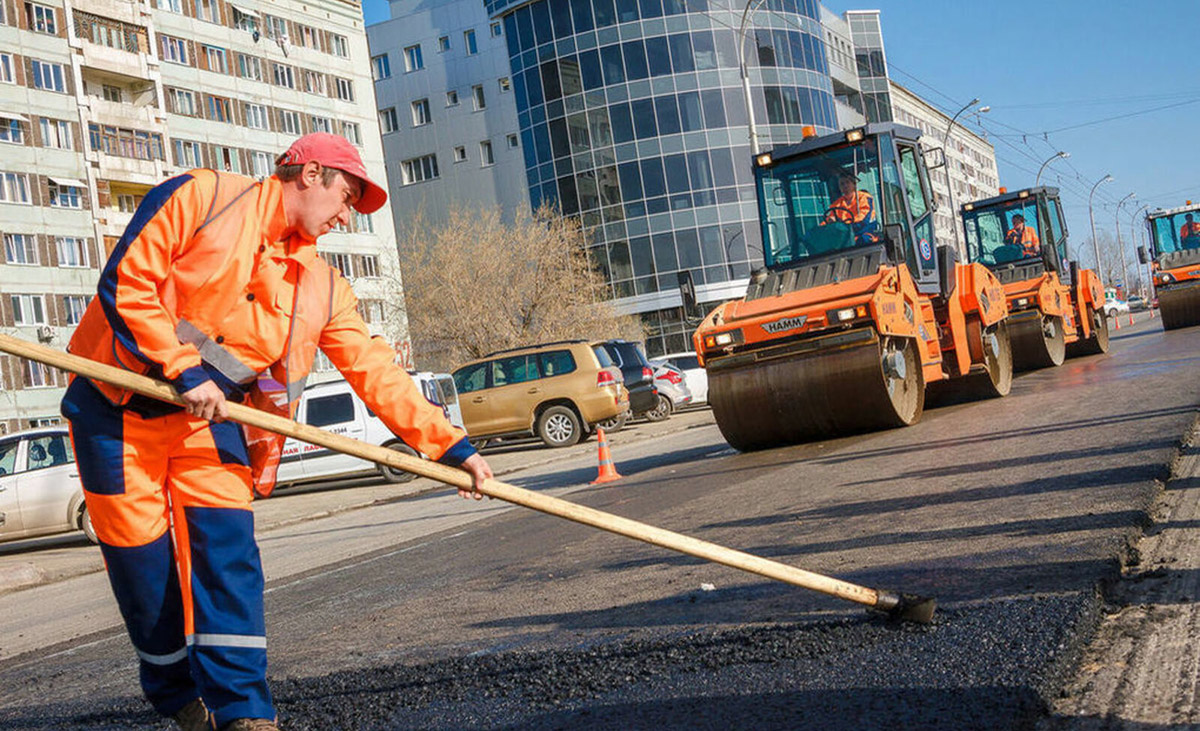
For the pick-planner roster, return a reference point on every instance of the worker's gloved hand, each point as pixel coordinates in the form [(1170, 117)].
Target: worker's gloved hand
[(206, 401), (480, 470)]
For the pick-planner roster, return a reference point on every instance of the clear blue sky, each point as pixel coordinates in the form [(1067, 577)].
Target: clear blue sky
[(1045, 66)]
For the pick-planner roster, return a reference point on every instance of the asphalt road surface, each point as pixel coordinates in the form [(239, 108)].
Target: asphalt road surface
[(435, 613)]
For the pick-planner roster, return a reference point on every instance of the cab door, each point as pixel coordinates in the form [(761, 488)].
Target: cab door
[(474, 398), (922, 260), (11, 524), (516, 389), (338, 413)]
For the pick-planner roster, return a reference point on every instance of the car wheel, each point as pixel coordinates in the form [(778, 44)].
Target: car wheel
[(85, 524), (615, 424), (393, 475), (661, 410), (558, 426)]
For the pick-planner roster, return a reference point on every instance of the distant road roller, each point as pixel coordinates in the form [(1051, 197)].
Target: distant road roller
[(1055, 309), (1175, 261), (857, 309)]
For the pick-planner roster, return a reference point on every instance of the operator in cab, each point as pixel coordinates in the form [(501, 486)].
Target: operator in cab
[(855, 208), (1024, 237), (1189, 235)]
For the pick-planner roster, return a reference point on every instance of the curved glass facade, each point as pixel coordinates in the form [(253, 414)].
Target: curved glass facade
[(632, 117)]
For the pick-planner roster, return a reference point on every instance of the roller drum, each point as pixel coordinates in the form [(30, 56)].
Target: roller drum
[(1038, 341), (786, 395), (1179, 307), (1097, 342)]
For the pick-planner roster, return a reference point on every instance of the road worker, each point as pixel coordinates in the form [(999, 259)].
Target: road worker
[(216, 287), (1024, 237), (1189, 234), (856, 208)]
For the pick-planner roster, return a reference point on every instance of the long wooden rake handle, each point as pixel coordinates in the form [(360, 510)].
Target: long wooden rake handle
[(919, 609)]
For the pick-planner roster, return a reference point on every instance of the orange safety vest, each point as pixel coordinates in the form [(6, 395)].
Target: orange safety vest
[(851, 208), (1190, 230), (1026, 238)]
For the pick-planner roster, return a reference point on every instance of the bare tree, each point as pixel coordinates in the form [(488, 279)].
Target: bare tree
[(476, 284)]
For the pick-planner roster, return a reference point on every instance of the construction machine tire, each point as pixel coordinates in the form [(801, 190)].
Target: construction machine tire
[(1179, 307), (873, 383), (1038, 342), (1097, 342), (993, 377)]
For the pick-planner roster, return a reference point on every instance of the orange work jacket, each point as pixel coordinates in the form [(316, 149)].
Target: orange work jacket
[(1190, 230), (852, 208), (201, 288), (1028, 239)]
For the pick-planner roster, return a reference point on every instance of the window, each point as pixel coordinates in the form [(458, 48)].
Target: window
[(371, 310), (215, 57), (485, 154), (381, 67), (41, 18), (173, 6), (28, 309), (505, 85), (326, 410), (284, 76), (289, 122), (243, 20), (126, 203), (11, 130), (174, 50), (341, 47), (443, 44), (14, 188), (182, 101), (64, 195), (314, 83), (75, 304), (220, 109), (6, 69), (20, 249), (48, 76), (111, 93), (512, 142), (469, 42), (250, 67), (261, 164), (420, 112), (256, 116), (56, 133), (276, 27), (460, 154), (72, 251), (352, 132), (37, 375), (477, 92), (206, 10), (419, 169), (368, 265), (387, 120), (320, 124), (452, 98), (345, 90), (497, 30), (342, 262), (124, 142), (227, 159), (187, 154), (412, 58), (306, 37)]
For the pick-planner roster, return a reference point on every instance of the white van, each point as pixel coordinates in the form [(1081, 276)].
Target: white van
[(336, 408)]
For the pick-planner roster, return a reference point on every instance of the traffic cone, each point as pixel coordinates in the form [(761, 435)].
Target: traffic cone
[(1130, 319), (608, 472), (1117, 321)]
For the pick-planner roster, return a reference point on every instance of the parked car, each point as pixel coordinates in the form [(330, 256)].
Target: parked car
[(1114, 307), (697, 377), (1137, 304), (555, 391), (335, 407), (639, 378), (40, 492), (673, 392)]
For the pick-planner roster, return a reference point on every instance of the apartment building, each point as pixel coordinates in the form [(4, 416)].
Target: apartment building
[(102, 99)]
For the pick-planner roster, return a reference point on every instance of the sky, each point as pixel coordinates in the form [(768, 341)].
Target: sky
[(1055, 73)]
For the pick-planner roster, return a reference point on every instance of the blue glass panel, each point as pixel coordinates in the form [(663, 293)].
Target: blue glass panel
[(635, 60), (664, 252), (762, 43), (643, 118), (528, 149), (681, 53), (727, 50), (722, 166), (518, 81), (783, 48), (541, 138), (614, 67), (633, 210), (567, 197), (560, 143), (582, 12), (627, 10), (677, 173), (711, 249), (510, 32), (554, 109), (704, 54), (641, 256), (631, 181), (606, 13), (687, 245), (714, 108), (618, 257), (674, 7), (796, 48), (791, 106), (550, 85), (690, 117), (807, 113), (622, 123), (667, 112), (735, 109), (650, 8), (653, 181), (589, 69), (524, 27), (699, 170), (533, 86), (542, 30), (535, 196), (659, 56), (657, 205)]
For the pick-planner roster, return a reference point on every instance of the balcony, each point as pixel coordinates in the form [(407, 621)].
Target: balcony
[(123, 114), (115, 61)]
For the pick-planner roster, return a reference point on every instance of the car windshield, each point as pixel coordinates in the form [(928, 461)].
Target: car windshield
[(820, 203), (1003, 233), (1176, 232)]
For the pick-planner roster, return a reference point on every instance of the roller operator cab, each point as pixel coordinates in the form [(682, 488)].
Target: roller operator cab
[(1055, 308), (1175, 261), (857, 308)]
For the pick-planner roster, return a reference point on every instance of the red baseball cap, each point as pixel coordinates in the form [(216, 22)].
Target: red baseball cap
[(336, 152)]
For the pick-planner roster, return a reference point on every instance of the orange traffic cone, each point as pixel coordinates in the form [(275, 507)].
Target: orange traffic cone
[(1130, 319), (608, 472), (1117, 321)]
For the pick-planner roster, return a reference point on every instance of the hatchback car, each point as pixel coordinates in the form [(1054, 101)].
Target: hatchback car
[(40, 492), (697, 377), (555, 391), (673, 392)]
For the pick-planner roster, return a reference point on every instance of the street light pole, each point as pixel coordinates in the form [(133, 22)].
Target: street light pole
[(1056, 155), (1133, 235), (750, 6), (1120, 246), (946, 160), (1092, 218)]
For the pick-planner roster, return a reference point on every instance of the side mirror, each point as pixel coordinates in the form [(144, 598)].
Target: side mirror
[(1142, 257), (935, 157), (893, 242)]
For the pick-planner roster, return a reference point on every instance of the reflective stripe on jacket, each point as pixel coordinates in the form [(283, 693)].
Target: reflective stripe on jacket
[(1026, 238)]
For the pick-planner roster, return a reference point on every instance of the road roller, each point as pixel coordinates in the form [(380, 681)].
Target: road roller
[(1055, 309), (1175, 261), (857, 307)]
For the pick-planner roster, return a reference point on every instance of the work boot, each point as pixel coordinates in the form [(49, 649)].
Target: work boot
[(251, 724), (194, 717)]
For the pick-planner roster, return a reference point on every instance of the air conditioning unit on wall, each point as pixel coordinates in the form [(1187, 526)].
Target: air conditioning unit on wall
[(45, 333)]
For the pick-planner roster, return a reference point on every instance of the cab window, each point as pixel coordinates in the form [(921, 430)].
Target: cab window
[(51, 450), (326, 410), (471, 378), (556, 363)]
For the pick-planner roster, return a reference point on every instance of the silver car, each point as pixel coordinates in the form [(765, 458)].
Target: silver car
[(696, 376), (673, 392), (40, 492)]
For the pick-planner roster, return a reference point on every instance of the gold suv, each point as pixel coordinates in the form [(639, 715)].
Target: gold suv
[(555, 391)]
